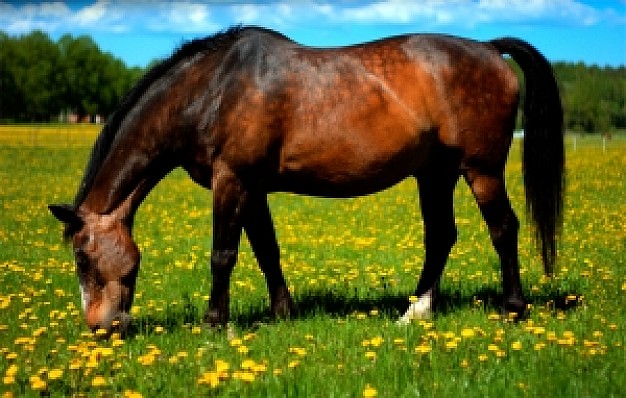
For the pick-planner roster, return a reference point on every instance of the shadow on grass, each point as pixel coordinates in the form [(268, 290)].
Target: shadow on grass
[(330, 303)]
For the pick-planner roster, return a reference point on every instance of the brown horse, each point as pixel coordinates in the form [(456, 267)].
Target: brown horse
[(248, 111)]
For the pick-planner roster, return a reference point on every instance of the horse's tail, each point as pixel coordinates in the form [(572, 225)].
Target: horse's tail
[(543, 155)]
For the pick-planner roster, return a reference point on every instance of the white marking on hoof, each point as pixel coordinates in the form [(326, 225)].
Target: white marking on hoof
[(420, 309)]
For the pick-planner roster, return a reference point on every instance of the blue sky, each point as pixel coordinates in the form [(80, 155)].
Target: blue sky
[(138, 31)]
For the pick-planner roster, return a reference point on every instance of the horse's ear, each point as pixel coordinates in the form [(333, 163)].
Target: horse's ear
[(66, 214)]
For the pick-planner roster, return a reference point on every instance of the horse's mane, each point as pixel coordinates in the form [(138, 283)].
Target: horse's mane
[(110, 130)]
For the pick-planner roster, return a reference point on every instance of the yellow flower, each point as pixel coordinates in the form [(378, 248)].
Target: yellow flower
[(210, 378), (467, 333), (221, 366), (55, 374), (132, 394), (101, 332), (246, 376), (451, 344), (298, 351), (98, 381), (376, 341), (370, 355), (423, 349), (247, 364), (37, 384), (369, 391), (12, 370), (516, 345)]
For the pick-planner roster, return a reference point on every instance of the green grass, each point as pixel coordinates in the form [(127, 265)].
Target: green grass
[(351, 265)]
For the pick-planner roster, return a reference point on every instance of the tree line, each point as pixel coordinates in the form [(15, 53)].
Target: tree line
[(42, 79)]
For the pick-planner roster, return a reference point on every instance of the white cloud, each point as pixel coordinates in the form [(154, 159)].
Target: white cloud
[(92, 14), (202, 17)]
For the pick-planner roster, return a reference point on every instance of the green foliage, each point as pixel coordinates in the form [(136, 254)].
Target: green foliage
[(594, 98), (42, 79)]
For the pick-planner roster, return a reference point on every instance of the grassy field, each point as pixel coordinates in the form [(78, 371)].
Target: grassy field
[(351, 265)]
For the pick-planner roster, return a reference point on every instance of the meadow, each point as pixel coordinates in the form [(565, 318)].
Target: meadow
[(351, 266)]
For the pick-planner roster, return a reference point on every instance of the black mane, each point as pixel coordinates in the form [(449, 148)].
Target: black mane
[(109, 131)]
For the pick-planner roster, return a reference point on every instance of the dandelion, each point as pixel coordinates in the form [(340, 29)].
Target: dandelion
[(212, 379), (247, 364), (298, 351), (100, 332), (468, 333), (516, 345), (399, 341), (370, 355), (36, 383), (221, 367), (451, 344), (132, 394), (55, 374), (423, 349), (248, 377), (196, 330), (369, 391), (98, 381)]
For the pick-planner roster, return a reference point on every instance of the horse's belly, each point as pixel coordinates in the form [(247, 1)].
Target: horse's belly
[(344, 168)]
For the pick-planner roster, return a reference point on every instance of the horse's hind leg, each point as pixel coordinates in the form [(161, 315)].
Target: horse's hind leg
[(436, 200), (490, 193), (260, 231)]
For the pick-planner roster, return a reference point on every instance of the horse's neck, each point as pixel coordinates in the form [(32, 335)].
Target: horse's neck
[(131, 169)]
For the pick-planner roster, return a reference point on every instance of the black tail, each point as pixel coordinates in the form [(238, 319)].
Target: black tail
[(543, 157)]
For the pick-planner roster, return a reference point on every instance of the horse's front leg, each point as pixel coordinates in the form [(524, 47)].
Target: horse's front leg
[(229, 200), (260, 231)]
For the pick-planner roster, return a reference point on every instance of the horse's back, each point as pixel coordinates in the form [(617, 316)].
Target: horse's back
[(357, 119)]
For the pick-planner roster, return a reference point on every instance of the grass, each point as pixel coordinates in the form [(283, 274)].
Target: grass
[(351, 265)]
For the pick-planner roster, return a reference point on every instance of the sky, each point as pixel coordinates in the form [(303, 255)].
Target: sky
[(140, 31)]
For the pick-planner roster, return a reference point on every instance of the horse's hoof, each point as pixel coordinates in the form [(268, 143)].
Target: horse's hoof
[(515, 310), (419, 310)]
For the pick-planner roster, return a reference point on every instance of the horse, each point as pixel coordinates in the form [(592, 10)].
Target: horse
[(248, 112)]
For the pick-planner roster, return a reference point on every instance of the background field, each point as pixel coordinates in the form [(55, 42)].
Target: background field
[(351, 265)]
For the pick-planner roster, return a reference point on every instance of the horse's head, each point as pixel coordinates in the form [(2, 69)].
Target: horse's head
[(107, 262)]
